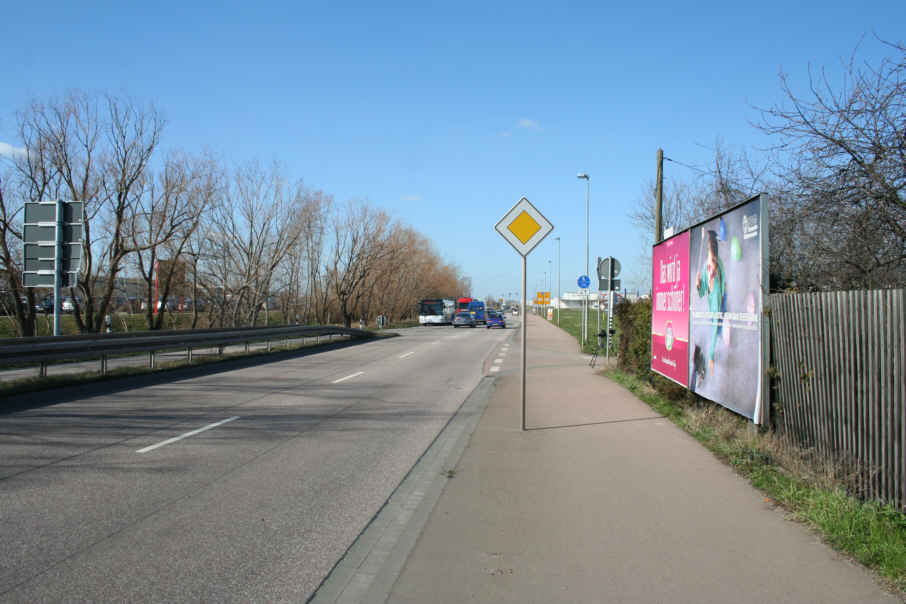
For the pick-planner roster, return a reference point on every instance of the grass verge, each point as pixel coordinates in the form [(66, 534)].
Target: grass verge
[(869, 532)]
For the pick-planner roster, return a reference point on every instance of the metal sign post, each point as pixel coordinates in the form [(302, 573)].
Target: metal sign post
[(53, 248), (524, 227)]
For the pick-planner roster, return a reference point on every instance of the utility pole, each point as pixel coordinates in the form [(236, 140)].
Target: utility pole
[(659, 198)]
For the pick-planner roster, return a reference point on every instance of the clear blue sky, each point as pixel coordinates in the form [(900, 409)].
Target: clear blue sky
[(445, 114)]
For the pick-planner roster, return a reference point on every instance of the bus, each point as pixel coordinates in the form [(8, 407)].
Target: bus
[(436, 311), (473, 307)]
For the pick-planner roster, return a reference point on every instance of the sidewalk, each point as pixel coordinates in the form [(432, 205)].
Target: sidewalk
[(601, 500)]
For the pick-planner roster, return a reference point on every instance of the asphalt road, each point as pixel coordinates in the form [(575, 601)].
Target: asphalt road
[(246, 485)]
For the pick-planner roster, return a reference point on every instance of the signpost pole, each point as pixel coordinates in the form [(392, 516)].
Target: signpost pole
[(57, 267), (524, 329), (610, 279)]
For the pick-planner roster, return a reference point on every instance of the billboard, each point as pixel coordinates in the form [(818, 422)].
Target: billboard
[(670, 309), (720, 265), (726, 292)]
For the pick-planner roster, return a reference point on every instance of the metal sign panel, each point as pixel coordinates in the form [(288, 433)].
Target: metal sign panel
[(45, 279), (40, 212), (524, 227), (43, 233)]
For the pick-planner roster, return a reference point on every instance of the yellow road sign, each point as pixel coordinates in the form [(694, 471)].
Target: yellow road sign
[(524, 226)]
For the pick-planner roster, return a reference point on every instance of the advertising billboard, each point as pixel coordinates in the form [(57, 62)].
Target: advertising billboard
[(670, 309), (725, 301), (708, 288)]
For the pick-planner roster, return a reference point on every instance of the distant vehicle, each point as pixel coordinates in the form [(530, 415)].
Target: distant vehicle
[(473, 306), (436, 311), (45, 305), (68, 305), (495, 319), (515, 311), (462, 319)]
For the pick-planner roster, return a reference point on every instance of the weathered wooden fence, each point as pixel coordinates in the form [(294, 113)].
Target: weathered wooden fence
[(841, 358)]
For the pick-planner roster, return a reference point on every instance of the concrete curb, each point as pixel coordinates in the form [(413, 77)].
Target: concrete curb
[(371, 565)]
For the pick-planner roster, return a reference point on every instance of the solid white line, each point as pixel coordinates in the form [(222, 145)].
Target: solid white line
[(408, 354), (187, 434), (348, 377)]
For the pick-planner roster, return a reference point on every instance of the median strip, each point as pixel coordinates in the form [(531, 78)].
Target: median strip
[(348, 377), (187, 434)]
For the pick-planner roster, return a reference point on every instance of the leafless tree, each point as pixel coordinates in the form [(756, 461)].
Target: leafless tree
[(94, 149), (253, 232), (359, 247), (846, 175), (163, 221)]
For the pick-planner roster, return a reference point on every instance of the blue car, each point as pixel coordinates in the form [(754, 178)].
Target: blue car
[(495, 319)]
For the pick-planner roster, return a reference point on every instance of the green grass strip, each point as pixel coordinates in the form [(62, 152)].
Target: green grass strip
[(869, 532)]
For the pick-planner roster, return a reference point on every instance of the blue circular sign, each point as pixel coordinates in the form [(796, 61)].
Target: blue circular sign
[(584, 281)]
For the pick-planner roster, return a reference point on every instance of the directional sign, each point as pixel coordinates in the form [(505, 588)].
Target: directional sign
[(584, 281), (524, 227), (51, 245)]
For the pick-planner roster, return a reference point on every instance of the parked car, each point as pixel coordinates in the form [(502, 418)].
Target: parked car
[(67, 305), (462, 319), (495, 319), (45, 305)]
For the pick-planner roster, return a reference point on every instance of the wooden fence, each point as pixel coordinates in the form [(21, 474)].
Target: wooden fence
[(840, 360)]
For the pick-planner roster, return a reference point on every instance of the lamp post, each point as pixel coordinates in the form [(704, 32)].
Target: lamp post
[(558, 281), (583, 175)]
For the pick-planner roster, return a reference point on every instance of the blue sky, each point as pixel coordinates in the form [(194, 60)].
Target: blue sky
[(445, 115)]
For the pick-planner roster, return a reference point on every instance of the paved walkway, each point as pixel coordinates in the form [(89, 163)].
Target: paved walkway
[(600, 500)]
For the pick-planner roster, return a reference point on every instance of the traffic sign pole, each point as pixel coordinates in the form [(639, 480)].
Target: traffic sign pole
[(524, 227), (524, 325), (57, 269)]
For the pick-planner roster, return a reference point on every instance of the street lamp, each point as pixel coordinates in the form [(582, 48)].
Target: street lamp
[(583, 175), (558, 281)]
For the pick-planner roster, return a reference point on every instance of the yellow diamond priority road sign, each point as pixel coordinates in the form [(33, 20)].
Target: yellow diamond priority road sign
[(524, 227)]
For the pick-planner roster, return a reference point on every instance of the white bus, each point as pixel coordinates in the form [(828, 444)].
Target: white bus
[(436, 311)]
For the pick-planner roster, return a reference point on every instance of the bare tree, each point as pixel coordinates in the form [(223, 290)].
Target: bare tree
[(846, 175), (359, 247), (252, 233), (93, 149), (162, 222)]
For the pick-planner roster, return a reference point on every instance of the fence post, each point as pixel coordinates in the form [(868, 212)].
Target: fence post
[(189, 354), (103, 364), (152, 362), (42, 370)]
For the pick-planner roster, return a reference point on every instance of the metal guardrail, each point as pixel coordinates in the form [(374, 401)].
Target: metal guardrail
[(48, 349)]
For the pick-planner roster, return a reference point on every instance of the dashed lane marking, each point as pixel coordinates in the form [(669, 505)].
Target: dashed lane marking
[(187, 435), (348, 377)]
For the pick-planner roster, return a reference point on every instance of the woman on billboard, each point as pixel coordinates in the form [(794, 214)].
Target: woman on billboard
[(711, 282)]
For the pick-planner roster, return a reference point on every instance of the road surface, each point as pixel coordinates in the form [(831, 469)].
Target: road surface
[(242, 485)]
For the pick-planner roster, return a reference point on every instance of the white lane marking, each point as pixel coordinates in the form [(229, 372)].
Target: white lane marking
[(187, 434), (495, 368), (348, 377), (408, 354), (498, 361)]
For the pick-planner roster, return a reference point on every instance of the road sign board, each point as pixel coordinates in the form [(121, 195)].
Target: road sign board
[(524, 227), (604, 268), (45, 279), (584, 281), (44, 245)]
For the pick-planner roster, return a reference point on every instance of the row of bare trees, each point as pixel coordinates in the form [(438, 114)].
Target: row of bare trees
[(836, 176), (237, 241)]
